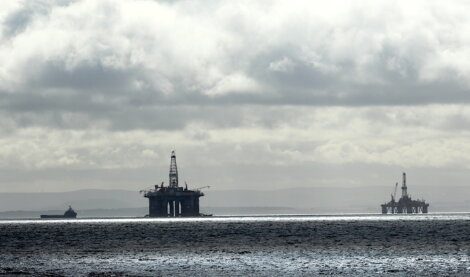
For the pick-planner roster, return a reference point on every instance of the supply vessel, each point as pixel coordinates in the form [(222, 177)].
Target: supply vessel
[(70, 213)]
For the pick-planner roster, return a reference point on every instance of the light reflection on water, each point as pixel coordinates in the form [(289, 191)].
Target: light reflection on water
[(275, 245), (252, 218)]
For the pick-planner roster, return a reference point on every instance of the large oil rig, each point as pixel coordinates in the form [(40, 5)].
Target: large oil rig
[(405, 205), (173, 200)]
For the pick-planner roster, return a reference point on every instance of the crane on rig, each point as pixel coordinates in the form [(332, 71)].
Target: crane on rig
[(149, 188), (205, 187)]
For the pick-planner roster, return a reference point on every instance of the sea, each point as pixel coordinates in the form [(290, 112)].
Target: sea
[(274, 245)]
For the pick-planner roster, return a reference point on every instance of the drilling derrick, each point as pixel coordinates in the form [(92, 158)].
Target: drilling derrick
[(173, 171), (404, 189), (405, 205), (173, 200)]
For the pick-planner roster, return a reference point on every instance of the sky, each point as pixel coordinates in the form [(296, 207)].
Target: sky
[(251, 94)]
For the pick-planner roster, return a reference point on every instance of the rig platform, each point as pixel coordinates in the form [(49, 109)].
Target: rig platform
[(173, 200), (405, 205)]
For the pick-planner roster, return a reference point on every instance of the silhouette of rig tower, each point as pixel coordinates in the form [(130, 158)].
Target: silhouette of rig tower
[(405, 205), (173, 200)]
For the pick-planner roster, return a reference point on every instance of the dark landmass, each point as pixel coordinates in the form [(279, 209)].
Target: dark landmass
[(296, 200)]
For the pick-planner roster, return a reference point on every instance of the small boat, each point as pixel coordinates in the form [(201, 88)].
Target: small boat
[(205, 215), (70, 213)]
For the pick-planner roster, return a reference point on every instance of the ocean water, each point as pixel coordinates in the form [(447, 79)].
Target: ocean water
[(361, 245)]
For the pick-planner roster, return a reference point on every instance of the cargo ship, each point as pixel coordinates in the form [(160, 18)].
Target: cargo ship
[(70, 213)]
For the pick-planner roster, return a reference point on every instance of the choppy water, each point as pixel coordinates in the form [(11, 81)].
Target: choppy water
[(239, 246)]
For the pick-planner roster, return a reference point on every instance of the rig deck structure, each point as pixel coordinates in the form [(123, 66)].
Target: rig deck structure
[(173, 200), (405, 205)]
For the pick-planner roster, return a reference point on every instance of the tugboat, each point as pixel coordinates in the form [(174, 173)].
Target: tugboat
[(70, 213)]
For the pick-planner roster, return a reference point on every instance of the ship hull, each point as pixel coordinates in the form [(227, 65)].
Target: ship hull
[(56, 216)]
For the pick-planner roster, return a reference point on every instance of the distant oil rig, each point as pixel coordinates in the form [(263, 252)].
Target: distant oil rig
[(405, 205), (173, 200)]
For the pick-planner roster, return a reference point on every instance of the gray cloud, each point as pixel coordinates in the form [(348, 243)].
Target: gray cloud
[(100, 86), (174, 53)]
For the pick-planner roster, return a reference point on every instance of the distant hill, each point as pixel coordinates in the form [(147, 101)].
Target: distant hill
[(80, 199), (342, 200), (296, 200)]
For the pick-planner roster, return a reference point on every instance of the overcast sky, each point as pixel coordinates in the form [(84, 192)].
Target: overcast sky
[(251, 94)]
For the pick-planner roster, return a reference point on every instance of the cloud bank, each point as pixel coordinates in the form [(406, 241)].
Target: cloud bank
[(116, 84), (268, 52)]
